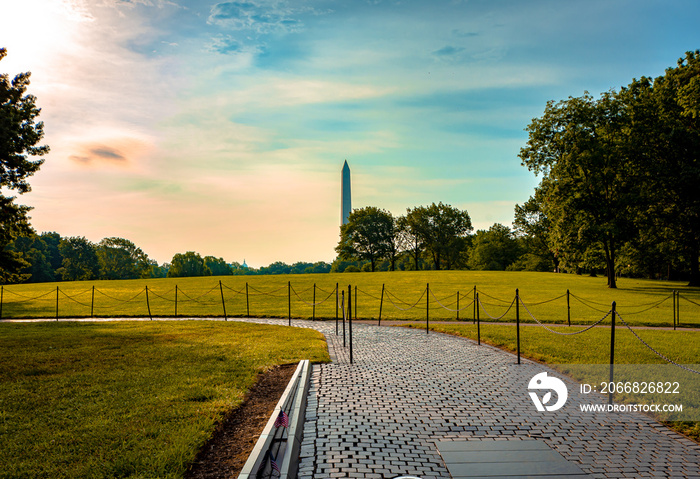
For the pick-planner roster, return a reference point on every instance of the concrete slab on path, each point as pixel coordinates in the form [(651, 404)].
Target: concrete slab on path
[(496, 459)]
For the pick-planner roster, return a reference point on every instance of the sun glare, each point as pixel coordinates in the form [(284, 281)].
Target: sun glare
[(36, 31)]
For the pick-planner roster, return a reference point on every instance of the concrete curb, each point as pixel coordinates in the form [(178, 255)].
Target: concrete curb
[(290, 464), (293, 402)]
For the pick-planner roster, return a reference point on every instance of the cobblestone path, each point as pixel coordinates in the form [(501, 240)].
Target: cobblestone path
[(380, 417)]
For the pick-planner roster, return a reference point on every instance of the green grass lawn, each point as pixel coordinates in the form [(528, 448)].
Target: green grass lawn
[(128, 399), (640, 302)]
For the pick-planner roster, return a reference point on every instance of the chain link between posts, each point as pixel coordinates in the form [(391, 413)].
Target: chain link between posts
[(270, 293), (311, 304), (150, 291), (368, 294), (72, 298), (389, 294), (454, 302), (30, 298), (499, 317), (654, 350), (197, 299), (689, 300), (558, 332)]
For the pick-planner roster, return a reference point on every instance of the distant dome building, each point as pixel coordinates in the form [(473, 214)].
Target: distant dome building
[(244, 265)]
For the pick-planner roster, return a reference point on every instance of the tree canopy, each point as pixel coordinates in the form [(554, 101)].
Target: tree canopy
[(442, 230), (119, 258), (20, 158), (579, 147), (367, 235), (80, 261), (619, 173), (188, 264), (494, 250)]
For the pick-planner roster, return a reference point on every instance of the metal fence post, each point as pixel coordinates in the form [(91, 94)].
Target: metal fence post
[(148, 305), (289, 301), (612, 354), (336, 308), (223, 303), (350, 318), (517, 320), (457, 305), (247, 302), (568, 308), (176, 301), (478, 323), (342, 303), (313, 313), (674, 309), (678, 308), (2, 293), (92, 304), (381, 304), (427, 308), (56, 303), (476, 308)]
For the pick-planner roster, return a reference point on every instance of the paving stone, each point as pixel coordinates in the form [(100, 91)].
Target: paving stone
[(381, 416)]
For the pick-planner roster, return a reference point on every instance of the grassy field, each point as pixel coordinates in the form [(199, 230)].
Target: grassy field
[(640, 302), (128, 399)]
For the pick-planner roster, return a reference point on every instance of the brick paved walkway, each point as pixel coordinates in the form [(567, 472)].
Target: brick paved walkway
[(381, 416)]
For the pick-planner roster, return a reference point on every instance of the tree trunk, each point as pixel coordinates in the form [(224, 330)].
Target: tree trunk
[(436, 259), (416, 253), (694, 267), (610, 263)]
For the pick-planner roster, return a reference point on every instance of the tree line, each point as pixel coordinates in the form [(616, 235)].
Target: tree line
[(436, 237), (49, 257)]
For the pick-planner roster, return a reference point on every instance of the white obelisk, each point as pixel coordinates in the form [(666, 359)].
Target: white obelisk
[(346, 206)]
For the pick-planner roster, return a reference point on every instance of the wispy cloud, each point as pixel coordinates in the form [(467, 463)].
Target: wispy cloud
[(100, 153), (448, 50), (268, 17), (227, 45)]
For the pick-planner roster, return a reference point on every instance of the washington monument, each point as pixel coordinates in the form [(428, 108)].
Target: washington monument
[(346, 204)]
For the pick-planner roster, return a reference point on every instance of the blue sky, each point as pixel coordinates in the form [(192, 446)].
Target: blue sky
[(222, 127)]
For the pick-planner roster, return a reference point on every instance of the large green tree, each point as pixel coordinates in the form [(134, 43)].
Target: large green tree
[(442, 229), (580, 147), (665, 126), (218, 266), (53, 255), (494, 250), (20, 158), (35, 252), (188, 264), (120, 258), (367, 235), (80, 260)]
